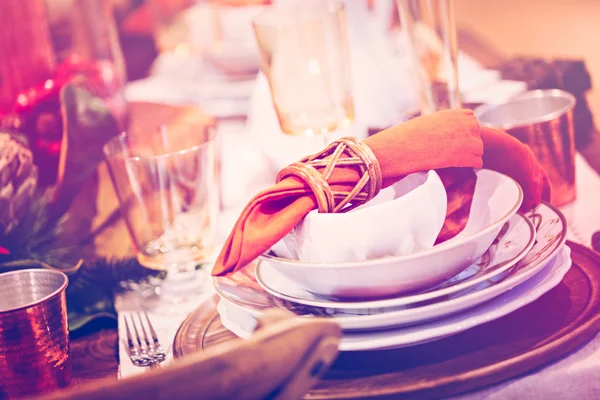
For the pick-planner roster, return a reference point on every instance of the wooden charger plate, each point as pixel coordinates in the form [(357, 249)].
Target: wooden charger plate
[(537, 334)]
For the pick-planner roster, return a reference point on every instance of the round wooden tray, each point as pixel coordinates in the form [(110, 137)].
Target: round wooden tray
[(541, 332)]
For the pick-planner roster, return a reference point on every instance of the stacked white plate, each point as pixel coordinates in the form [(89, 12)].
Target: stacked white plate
[(527, 257)]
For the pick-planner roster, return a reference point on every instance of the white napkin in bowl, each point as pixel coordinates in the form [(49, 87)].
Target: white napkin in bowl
[(402, 219)]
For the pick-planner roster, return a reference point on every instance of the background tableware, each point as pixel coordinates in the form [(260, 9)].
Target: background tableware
[(167, 185), (34, 336), (431, 31), (510, 246), (304, 55), (496, 198), (181, 26), (521, 295), (542, 119), (85, 36), (234, 50), (413, 209)]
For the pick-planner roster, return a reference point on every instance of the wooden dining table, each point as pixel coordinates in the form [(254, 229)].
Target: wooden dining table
[(549, 28)]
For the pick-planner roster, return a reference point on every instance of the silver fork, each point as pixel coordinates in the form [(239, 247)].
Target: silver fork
[(143, 346)]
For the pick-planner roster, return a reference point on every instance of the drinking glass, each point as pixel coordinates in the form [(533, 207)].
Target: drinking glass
[(34, 334), (431, 31), (304, 55), (167, 186)]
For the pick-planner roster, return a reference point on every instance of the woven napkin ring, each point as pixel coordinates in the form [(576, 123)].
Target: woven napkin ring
[(355, 153)]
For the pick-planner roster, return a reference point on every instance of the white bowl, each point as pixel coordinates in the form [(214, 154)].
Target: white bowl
[(497, 197), (234, 59), (352, 236)]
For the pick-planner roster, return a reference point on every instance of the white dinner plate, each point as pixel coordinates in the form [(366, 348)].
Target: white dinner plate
[(241, 323), (242, 289), (509, 247)]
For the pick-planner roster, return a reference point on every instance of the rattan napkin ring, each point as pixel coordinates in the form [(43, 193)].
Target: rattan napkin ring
[(355, 153)]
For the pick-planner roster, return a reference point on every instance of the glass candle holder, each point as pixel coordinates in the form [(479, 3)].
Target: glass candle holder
[(167, 186), (431, 31), (304, 55)]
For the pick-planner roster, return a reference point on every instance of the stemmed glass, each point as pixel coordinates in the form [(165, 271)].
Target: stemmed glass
[(167, 186), (304, 56), (431, 31)]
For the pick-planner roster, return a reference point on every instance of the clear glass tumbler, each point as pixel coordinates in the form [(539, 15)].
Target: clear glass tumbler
[(304, 55), (431, 31), (168, 190)]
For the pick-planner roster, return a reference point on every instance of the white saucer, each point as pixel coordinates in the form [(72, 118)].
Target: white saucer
[(236, 319), (509, 247)]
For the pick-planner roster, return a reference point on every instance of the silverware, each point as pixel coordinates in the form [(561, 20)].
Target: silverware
[(143, 346)]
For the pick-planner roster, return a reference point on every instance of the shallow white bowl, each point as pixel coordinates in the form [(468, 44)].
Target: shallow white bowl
[(234, 59), (497, 197)]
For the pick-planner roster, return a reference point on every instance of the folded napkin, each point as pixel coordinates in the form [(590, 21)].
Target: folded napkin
[(450, 141)]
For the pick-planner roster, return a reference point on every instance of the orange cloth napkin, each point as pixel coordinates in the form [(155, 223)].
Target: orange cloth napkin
[(448, 141)]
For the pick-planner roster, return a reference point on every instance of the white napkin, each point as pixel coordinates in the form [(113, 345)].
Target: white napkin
[(402, 219)]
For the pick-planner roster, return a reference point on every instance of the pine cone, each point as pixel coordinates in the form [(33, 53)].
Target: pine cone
[(18, 181)]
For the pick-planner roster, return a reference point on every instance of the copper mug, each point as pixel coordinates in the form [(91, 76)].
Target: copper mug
[(542, 119), (34, 336)]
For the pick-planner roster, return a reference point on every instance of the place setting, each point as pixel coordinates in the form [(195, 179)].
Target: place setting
[(399, 251), (400, 295), (408, 252)]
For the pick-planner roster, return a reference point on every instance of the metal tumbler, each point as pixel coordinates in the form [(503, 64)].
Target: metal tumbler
[(542, 119), (34, 336)]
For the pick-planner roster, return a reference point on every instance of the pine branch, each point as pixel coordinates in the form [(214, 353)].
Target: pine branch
[(38, 242), (110, 274), (37, 238), (91, 290)]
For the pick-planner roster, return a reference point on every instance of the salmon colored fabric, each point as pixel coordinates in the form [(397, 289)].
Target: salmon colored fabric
[(507, 155), (447, 141)]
